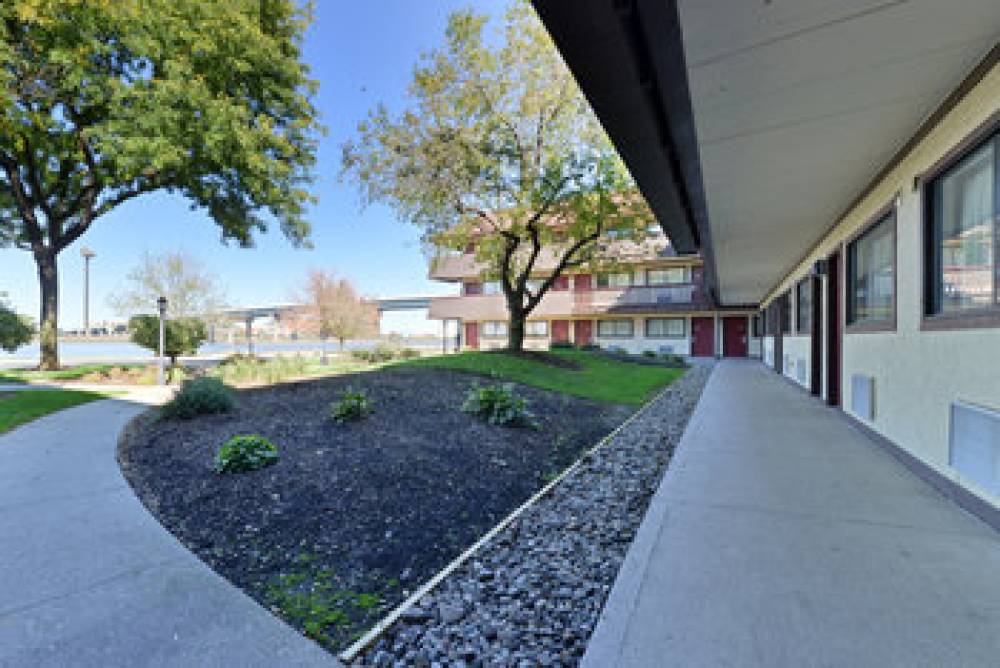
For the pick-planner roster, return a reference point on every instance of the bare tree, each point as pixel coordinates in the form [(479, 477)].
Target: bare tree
[(191, 290)]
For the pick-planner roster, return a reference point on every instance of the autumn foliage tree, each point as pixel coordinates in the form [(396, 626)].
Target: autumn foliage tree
[(498, 150), (104, 101), (335, 310)]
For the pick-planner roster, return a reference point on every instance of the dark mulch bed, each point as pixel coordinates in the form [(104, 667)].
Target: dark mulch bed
[(373, 507)]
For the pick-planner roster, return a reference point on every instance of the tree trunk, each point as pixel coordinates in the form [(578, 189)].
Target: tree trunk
[(48, 323), (515, 337)]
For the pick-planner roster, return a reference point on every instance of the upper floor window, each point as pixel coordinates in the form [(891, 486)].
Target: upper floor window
[(615, 280), (494, 328), (871, 269), (962, 235), (665, 328), (667, 276), (616, 329), (536, 328), (803, 306), (492, 288)]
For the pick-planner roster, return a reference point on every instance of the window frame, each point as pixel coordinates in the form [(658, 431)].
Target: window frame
[(685, 272), (484, 334), (979, 318), (604, 275), (630, 335), (886, 213), (679, 337), (804, 286), (543, 335)]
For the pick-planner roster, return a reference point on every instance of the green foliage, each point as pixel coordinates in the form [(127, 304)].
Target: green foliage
[(182, 335), (380, 354), (649, 353), (251, 369), (673, 360), (190, 289), (199, 396), (408, 354), (15, 330), (499, 404), (242, 454), (106, 101), (497, 142), (352, 405), (561, 345)]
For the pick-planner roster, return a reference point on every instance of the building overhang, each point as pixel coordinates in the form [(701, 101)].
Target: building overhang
[(752, 127)]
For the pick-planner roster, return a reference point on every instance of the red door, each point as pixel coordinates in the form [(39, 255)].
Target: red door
[(734, 336), (702, 337), (581, 332), (472, 334), (581, 282), (560, 331)]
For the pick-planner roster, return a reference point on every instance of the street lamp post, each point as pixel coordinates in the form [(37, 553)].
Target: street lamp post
[(87, 255), (161, 304)]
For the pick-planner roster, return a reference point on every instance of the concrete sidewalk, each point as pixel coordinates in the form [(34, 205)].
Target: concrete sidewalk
[(782, 536), (89, 578)]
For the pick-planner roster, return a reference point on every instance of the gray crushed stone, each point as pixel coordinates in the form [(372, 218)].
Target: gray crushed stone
[(532, 596)]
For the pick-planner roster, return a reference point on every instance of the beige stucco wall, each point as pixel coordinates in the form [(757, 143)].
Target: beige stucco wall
[(918, 374)]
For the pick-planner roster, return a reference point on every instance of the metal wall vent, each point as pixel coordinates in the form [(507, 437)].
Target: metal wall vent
[(974, 444), (863, 396)]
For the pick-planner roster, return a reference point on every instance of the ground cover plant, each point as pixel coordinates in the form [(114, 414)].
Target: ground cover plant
[(242, 454), (499, 404), (21, 406), (579, 373), (352, 405), (377, 508)]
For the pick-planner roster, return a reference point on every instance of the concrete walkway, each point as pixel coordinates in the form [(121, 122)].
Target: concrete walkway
[(782, 536), (89, 578)]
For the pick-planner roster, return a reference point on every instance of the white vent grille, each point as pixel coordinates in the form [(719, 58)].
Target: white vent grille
[(974, 444), (863, 396)]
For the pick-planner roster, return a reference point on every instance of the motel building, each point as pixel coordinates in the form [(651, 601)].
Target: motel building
[(831, 170), (650, 299)]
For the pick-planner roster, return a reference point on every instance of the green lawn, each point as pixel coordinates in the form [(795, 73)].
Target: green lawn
[(598, 378), (68, 373), (22, 406)]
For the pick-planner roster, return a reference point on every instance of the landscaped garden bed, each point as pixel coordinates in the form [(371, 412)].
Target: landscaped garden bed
[(355, 514)]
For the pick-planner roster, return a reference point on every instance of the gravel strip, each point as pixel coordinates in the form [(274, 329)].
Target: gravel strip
[(533, 595)]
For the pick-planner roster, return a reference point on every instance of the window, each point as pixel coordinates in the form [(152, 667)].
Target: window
[(758, 325), (665, 328), (495, 328), (667, 276), (785, 313), (492, 288), (533, 284), (536, 328), (871, 268), (616, 329), (963, 268), (803, 306), (618, 280)]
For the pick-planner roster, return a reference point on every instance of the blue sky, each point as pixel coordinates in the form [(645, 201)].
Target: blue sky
[(361, 53)]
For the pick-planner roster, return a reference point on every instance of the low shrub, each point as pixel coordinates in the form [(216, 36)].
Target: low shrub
[(593, 347), (377, 355), (242, 454), (352, 405), (252, 369), (199, 396), (560, 345), (674, 360), (649, 353), (408, 353), (499, 404)]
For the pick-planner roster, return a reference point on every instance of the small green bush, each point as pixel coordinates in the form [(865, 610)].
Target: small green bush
[(377, 355), (408, 353), (560, 345), (352, 405), (199, 396), (499, 404), (675, 360), (590, 346), (252, 369), (241, 454), (649, 353)]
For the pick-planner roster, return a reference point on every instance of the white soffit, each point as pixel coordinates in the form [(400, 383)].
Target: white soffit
[(799, 103)]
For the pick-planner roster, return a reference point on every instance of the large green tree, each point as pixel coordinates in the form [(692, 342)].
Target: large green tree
[(499, 150), (102, 101)]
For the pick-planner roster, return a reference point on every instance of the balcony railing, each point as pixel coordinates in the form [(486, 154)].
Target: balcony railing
[(562, 303)]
